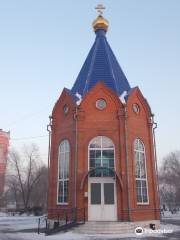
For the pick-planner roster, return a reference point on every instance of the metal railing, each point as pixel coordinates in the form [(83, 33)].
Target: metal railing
[(61, 219), (42, 224)]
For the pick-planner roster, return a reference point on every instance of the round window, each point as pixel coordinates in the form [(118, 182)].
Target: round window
[(65, 108), (136, 108), (101, 104)]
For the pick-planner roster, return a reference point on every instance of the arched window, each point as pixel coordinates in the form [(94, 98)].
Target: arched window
[(63, 172), (141, 173), (101, 157)]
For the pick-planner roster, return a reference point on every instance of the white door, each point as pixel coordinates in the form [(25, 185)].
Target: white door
[(102, 199)]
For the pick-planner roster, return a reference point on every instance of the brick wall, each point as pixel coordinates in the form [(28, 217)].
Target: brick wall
[(85, 123), (4, 143)]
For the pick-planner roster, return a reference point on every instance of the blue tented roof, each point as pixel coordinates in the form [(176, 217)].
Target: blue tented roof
[(101, 65)]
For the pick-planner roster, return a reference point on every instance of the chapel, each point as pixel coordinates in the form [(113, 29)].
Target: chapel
[(102, 144)]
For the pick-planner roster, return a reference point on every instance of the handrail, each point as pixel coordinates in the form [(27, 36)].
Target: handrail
[(40, 220), (62, 219)]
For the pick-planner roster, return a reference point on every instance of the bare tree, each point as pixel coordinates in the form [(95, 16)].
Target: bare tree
[(25, 174), (39, 192), (169, 179), (13, 191)]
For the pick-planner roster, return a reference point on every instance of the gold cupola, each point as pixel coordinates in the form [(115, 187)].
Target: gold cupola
[(100, 22)]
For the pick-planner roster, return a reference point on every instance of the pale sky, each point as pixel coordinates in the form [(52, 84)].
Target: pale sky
[(43, 45)]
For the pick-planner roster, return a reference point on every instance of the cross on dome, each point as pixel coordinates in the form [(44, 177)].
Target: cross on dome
[(100, 22), (100, 9)]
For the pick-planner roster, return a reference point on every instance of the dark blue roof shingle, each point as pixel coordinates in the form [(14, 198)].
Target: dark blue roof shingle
[(101, 65)]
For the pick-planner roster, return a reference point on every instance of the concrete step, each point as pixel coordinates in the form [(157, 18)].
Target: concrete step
[(104, 231), (112, 227)]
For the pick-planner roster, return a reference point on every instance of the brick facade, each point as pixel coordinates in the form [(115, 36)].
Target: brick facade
[(4, 143), (85, 122)]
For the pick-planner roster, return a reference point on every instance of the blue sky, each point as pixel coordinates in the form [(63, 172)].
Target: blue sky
[(43, 45)]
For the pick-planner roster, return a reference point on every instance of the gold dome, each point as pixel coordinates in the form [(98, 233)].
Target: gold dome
[(100, 23)]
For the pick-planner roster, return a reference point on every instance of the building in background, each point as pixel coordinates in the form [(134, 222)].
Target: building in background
[(102, 155), (4, 144)]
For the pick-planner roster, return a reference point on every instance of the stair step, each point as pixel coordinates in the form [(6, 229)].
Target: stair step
[(107, 228), (111, 227)]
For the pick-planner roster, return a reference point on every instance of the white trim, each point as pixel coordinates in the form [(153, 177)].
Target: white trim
[(145, 203), (63, 179), (102, 179), (101, 107), (109, 214), (100, 148), (62, 204), (141, 179)]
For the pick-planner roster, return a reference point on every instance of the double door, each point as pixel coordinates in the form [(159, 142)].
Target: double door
[(102, 199)]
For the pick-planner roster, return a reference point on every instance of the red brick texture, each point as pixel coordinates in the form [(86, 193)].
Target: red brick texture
[(85, 122), (4, 143)]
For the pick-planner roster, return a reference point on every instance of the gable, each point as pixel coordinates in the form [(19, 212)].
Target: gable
[(112, 103), (136, 97)]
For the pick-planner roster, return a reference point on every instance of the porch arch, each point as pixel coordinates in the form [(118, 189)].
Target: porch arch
[(116, 175)]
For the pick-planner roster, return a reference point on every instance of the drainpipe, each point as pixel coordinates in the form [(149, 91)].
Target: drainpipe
[(155, 158), (49, 152), (127, 161), (75, 158)]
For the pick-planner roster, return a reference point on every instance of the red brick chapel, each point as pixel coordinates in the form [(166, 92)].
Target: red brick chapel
[(102, 153)]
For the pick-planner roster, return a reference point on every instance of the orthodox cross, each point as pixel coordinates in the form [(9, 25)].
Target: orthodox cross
[(100, 9)]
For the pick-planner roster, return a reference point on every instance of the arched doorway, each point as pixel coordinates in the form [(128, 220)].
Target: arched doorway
[(102, 203)]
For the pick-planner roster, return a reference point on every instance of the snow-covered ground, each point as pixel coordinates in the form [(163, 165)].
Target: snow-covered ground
[(35, 236), (74, 236), (168, 214), (15, 223), (9, 224)]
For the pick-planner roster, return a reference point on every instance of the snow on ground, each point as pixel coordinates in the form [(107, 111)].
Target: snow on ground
[(2, 214), (74, 236), (8, 224), (168, 214), (60, 236), (15, 223), (172, 227)]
